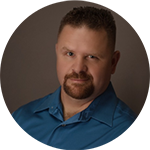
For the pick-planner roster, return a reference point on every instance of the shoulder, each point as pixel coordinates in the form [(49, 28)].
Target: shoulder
[(124, 114), (29, 108), (29, 111)]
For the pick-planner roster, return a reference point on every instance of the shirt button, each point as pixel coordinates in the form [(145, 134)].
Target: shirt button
[(63, 125)]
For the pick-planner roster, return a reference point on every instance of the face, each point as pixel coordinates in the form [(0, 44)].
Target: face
[(84, 62)]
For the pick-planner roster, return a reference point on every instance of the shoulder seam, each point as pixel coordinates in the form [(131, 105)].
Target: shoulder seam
[(126, 113)]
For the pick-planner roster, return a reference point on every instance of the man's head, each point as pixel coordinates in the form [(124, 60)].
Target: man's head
[(85, 52)]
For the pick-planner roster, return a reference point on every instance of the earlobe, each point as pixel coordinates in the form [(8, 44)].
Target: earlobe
[(115, 59)]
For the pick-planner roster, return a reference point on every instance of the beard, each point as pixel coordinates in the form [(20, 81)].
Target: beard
[(79, 90)]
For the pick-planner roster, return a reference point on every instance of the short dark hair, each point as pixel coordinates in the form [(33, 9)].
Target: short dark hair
[(93, 18)]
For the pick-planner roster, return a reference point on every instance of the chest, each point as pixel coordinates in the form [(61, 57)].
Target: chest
[(67, 134)]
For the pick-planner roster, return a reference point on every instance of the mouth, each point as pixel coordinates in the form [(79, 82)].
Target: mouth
[(76, 80)]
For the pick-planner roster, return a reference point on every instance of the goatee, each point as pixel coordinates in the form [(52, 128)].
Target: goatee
[(79, 90)]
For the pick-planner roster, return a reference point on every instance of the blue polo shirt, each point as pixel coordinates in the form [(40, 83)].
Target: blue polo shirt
[(105, 119)]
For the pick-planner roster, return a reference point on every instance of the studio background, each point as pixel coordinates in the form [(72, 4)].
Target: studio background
[(28, 69)]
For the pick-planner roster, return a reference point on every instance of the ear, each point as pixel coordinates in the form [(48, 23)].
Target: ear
[(115, 60)]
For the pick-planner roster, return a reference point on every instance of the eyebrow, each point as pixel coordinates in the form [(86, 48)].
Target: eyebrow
[(95, 54), (65, 48)]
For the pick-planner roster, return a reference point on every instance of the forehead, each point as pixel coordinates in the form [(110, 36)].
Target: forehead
[(83, 38), (83, 29)]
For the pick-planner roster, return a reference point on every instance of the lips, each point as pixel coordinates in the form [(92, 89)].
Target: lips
[(79, 80), (82, 77)]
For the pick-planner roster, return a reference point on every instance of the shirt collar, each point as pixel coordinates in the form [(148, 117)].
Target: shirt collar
[(51, 102), (101, 109)]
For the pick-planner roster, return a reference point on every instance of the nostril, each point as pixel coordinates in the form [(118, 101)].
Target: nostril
[(79, 69)]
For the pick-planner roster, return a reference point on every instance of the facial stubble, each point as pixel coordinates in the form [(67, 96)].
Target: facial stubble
[(79, 90)]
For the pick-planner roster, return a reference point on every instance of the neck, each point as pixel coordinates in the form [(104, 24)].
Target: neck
[(73, 106)]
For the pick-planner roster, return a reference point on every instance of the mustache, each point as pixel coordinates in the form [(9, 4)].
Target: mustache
[(81, 75)]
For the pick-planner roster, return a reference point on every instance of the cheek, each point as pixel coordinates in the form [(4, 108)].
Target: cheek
[(97, 76), (101, 73), (61, 71)]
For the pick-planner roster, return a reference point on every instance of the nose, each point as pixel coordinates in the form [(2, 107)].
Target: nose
[(79, 65)]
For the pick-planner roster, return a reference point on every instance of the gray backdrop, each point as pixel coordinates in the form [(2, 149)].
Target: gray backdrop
[(28, 66)]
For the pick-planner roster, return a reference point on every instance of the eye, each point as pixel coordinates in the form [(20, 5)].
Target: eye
[(92, 57), (69, 53)]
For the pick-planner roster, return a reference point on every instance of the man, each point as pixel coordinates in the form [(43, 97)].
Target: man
[(84, 111)]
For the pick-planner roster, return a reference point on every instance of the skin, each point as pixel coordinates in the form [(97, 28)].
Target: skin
[(86, 50)]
